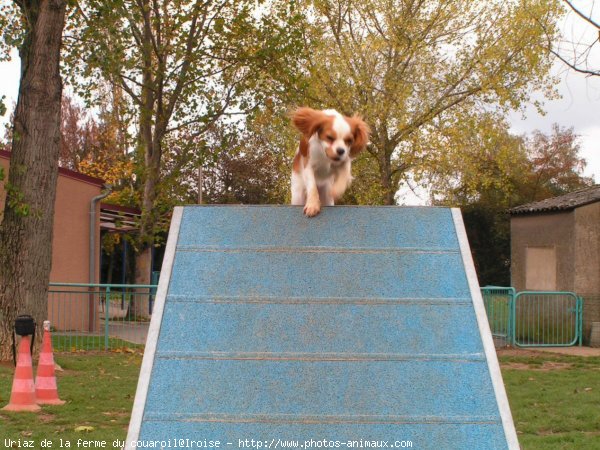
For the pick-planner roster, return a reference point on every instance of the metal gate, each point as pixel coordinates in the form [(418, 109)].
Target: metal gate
[(499, 303), (550, 319)]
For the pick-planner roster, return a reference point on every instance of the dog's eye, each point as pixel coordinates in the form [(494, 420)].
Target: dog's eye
[(349, 141), (330, 138)]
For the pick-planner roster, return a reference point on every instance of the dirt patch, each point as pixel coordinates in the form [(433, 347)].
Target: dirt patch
[(518, 352), (546, 433), (116, 414), (551, 365), (46, 417), (515, 366), (563, 433), (545, 367), (544, 351)]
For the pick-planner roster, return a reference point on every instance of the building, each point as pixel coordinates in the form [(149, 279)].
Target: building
[(555, 246), (71, 242)]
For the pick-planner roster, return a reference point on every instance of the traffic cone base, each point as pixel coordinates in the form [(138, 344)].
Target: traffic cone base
[(22, 408), (46, 389), (22, 397)]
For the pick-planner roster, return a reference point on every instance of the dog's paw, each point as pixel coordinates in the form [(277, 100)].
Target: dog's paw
[(312, 209)]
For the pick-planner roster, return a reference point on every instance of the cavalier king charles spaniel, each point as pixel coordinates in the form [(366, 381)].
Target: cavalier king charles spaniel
[(321, 169)]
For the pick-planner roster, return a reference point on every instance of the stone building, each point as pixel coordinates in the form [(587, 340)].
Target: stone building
[(555, 246)]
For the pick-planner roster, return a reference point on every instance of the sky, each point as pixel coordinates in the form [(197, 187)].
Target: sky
[(578, 107), (579, 103)]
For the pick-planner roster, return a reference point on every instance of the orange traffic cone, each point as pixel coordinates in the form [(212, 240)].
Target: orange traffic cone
[(22, 397), (46, 390)]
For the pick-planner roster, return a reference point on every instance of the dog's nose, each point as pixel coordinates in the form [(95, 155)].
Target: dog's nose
[(340, 151)]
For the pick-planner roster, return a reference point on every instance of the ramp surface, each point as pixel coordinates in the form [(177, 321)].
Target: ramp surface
[(362, 324)]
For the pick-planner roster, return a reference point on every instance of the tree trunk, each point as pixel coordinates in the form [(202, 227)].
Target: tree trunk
[(140, 304), (143, 260), (26, 228), (111, 266), (200, 181), (389, 190), (152, 158), (149, 215), (152, 130)]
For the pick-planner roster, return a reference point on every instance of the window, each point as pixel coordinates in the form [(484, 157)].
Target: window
[(540, 268)]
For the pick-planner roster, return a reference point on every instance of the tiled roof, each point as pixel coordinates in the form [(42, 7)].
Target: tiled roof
[(66, 172), (561, 203)]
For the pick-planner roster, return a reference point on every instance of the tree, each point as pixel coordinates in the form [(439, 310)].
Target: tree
[(502, 171), (407, 66), (580, 52), (557, 167), (78, 134), (184, 65), (97, 146), (476, 159), (26, 228), (255, 169), (248, 164)]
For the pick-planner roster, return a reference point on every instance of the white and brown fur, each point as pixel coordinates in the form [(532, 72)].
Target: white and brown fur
[(321, 169)]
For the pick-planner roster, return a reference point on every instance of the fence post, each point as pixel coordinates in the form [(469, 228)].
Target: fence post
[(106, 316), (509, 319), (580, 318), (513, 318), (152, 291)]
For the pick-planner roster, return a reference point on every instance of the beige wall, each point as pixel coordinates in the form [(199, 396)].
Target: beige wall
[(587, 257), (587, 248), (70, 247), (543, 231), (71, 243)]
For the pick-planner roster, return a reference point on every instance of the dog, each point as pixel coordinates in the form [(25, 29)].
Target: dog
[(321, 169)]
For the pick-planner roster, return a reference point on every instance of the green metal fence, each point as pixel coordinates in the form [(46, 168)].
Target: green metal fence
[(533, 318), (499, 302), (117, 316), (99, 316), (547, 319)]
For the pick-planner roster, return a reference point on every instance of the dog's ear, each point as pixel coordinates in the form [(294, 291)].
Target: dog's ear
[(304, 146), (360, 132), (308, 121)]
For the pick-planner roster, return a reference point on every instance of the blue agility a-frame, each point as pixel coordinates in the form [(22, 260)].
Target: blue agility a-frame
[(361, 326)]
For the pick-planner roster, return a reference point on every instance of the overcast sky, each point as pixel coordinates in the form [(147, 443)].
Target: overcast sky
[(579, 106)]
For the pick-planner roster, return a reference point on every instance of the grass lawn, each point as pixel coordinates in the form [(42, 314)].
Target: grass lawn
[(99, 389), (555, 400), (77, 342)]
